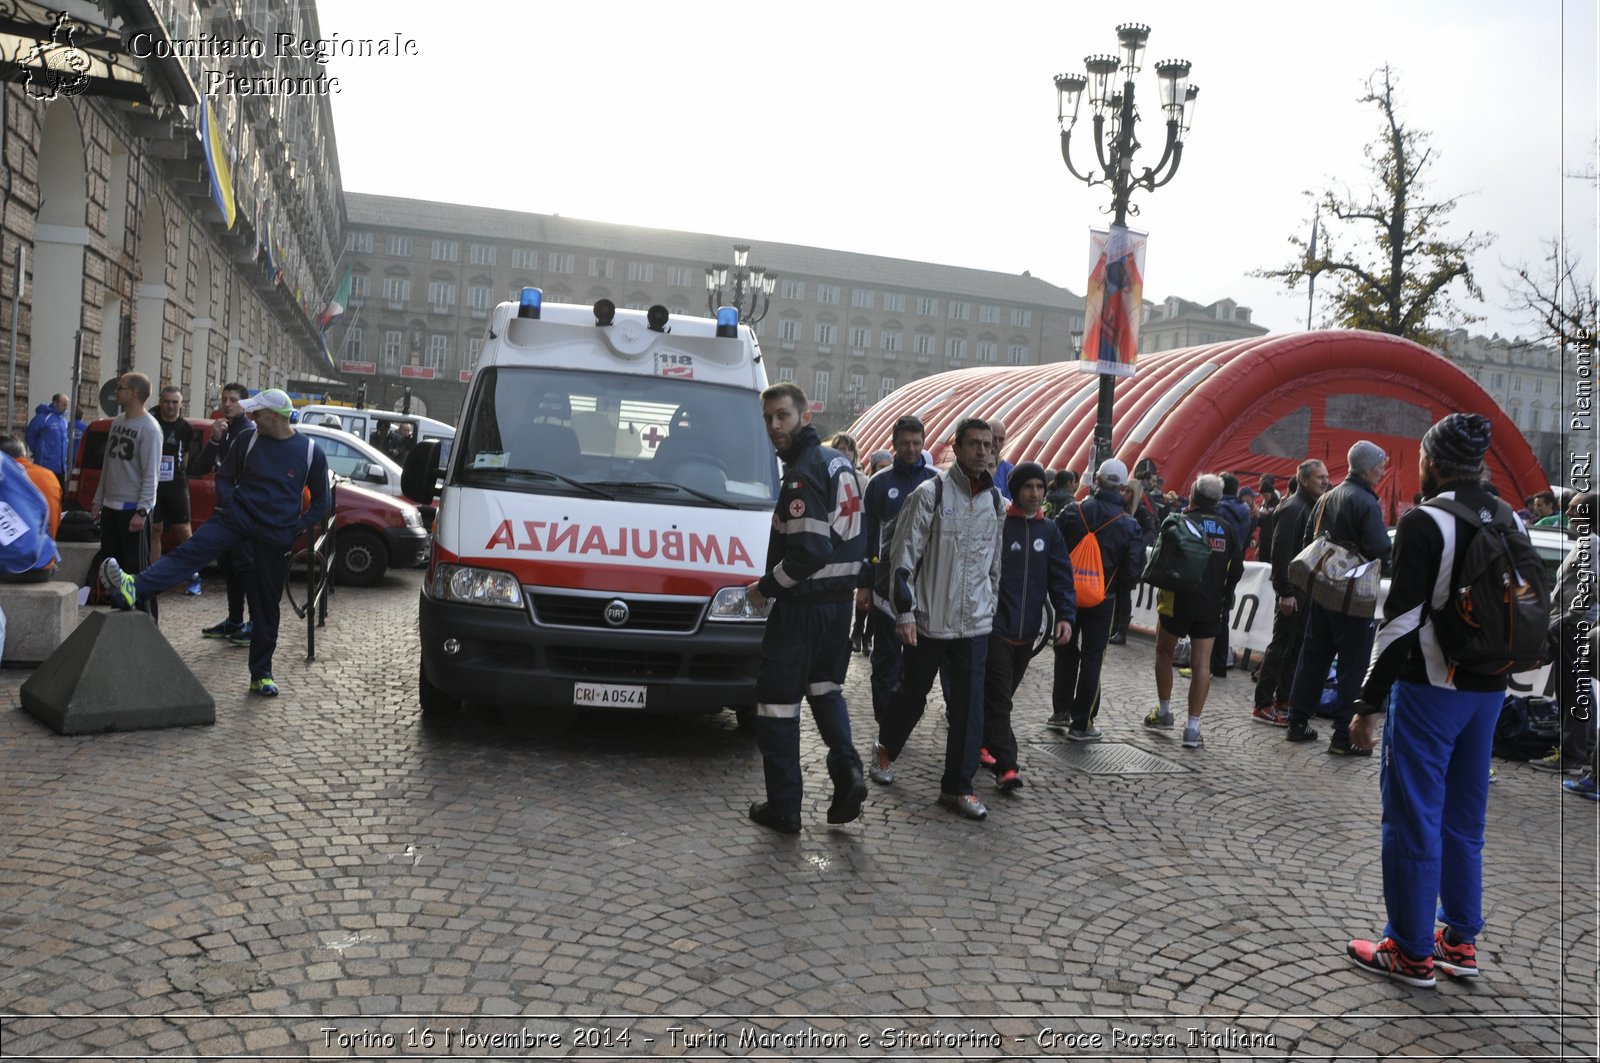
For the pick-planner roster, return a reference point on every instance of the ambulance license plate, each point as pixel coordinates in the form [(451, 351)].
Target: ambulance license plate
[(596, 695)]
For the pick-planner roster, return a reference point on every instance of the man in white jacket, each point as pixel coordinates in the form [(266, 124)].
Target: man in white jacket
[(945, 565)]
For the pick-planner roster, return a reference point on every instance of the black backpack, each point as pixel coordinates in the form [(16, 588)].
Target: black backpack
[(1496, 618)]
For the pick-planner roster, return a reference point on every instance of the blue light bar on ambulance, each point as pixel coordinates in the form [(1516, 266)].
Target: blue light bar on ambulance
[(727, 322), (532, 300)]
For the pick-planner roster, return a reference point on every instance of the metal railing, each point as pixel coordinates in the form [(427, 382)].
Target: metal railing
[(318, 560)]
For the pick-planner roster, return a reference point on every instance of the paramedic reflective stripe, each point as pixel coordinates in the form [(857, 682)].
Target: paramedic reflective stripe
[(818, 689), (802, 526), (839, 568), (779, 712)]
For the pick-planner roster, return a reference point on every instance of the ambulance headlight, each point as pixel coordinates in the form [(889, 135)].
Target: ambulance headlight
[(474, 586), (730, 603)]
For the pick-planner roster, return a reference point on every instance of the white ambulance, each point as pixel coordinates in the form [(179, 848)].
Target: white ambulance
[(606, 500)]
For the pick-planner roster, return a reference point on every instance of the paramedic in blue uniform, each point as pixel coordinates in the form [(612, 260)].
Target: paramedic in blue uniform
[(813, 557), (1438, 731)]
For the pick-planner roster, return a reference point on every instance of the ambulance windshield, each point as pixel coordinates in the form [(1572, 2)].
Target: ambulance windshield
[(674, 441)]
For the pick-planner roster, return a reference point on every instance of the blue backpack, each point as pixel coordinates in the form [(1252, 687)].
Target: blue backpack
[(25, 542)]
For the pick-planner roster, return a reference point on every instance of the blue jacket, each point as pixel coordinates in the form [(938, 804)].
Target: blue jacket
[(815, 549), (1237, 516), (46, 436), (1121, 542), (887, 491), (262, 478), (1034, 567)]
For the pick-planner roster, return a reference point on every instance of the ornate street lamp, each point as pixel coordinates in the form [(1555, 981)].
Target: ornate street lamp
[(746, 288), (1115, 142)]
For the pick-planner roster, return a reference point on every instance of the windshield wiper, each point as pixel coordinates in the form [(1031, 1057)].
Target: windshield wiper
[(538, 474), (666, 485)]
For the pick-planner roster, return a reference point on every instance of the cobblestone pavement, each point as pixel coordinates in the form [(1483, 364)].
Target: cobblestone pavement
[(322, 875)]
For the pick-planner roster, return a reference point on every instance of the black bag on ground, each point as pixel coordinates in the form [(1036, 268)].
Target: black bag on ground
[(1529, 728), (77, 527)]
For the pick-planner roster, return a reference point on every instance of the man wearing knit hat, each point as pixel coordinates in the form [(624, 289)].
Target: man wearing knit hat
[(1351, 515), (1438, 731), (1034, 569)]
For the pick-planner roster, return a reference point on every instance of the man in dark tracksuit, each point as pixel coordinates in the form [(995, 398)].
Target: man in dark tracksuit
[(887, 491), (1349, 514), (260, 489), (1235, 513), (1289, 620), (813, 558), (1438, 732), (1034, 569), (1075, 695), (235, 563)]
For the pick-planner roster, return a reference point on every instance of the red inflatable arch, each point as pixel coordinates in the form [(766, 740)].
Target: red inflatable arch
[(1254, 406)]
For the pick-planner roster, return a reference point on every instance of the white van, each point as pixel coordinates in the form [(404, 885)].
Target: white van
[(605, 502), (370, 424)]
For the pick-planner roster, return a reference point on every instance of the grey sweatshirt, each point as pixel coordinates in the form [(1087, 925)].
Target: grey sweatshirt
[(132, 463)]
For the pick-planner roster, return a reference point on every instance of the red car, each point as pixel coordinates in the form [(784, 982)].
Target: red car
[(373, 531)]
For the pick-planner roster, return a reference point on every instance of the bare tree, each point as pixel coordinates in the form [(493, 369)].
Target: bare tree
[(1392, 268)]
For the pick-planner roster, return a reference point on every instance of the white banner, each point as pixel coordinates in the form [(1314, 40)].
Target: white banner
[(1255, 603)]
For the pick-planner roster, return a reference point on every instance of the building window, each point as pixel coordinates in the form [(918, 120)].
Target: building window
[(354, 343), (789, 330), (481, 254), (524, 258), (927, 306), (862, 298), (795, 290), (438, 351), (394, 345), (447, 250), (641, 272), (562, 263), (397, 246), (679, 276), (359, 242), (825, 334), (889, 341), (1017, 354), (988, 315), (894, 302), (820, 392), (441, 293), (396, 289), (480, 297), (922, 345), (988, 351), (360, 287), (474, 345), (860, 338), (885, 388), (600, 267), (829, 293), (786, 374), (1022, 318), (955, 349), (960, 311)]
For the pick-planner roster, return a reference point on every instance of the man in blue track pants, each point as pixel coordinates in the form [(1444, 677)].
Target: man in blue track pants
[(1438, 731), (260, 489)]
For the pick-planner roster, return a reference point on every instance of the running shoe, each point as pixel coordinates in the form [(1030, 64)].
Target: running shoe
[(1386, 958), (117, 584)]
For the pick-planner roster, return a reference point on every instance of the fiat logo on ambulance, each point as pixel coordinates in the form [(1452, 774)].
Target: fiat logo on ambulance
[(616, 612)]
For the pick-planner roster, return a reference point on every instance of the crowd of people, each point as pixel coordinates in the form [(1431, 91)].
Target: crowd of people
[(963, 574)]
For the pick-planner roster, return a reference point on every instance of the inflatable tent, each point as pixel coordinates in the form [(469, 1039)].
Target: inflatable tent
[(1253, 406)]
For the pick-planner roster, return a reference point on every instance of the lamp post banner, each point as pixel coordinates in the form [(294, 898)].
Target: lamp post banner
[(1115, 293)]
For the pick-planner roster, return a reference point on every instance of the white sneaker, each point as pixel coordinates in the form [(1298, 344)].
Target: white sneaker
[(1191, 737)]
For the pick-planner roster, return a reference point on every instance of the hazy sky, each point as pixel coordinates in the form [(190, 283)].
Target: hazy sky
[(926, 130)]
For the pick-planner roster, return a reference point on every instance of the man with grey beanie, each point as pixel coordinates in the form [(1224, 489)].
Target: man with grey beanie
[(1351, 515)]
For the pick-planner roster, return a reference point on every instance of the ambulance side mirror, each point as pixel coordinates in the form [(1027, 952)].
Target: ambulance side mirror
[(420, 479)]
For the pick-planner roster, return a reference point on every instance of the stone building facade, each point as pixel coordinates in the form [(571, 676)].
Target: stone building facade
[(1532, 383), (131, 262), (1175, 322), (848, 328)]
